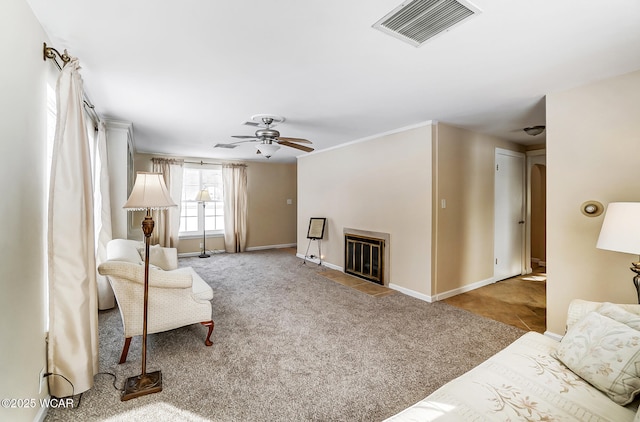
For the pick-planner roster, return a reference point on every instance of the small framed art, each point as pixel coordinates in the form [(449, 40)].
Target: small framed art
[(316, 228)]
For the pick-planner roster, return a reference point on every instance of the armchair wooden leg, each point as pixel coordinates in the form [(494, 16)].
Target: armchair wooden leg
[(209, 324), (125, 350)]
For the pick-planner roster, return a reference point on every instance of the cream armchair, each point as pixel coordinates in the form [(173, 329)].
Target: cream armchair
[(177, 296)]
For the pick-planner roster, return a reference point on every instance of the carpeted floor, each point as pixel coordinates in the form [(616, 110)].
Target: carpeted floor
[(291, 345)]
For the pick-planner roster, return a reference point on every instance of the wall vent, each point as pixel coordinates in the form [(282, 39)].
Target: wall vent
[(417, 21)]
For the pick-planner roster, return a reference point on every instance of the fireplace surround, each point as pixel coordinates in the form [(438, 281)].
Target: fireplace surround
[(366, 255)]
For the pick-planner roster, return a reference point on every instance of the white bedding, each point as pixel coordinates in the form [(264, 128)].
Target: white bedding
[(523, 382)]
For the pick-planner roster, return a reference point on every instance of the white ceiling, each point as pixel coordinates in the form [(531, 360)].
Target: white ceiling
[(187, 74)]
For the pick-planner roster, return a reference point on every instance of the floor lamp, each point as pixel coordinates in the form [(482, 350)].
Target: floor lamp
[(148, 193), (204, 197), (620, 232)]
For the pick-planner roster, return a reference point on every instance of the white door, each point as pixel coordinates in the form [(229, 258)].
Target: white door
[(509, 214)]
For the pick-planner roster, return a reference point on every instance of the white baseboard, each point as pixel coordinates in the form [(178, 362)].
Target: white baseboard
[(324, 263), (556, 337), (464, 289), (42, 413), (260, 248), (411, 293)]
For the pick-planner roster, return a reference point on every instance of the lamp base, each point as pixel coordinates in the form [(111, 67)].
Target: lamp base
[(141, 385), (204, 255)]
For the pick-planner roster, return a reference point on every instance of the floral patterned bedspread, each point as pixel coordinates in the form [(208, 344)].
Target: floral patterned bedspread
[(523, 382)]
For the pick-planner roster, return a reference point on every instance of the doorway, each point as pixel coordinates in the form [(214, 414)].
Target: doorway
[(509, 228), (536, 252)]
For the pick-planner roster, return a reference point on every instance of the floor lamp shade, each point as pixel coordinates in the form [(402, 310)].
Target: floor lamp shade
[(204, 197), (620, 230), (149, 192)]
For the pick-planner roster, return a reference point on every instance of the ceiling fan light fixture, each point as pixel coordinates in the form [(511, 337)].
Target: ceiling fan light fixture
[(267, 149), (534, 130)]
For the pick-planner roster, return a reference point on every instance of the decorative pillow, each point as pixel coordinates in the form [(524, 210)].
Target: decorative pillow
[(156, 257), (123, 250), (616, 313), (606, 353)]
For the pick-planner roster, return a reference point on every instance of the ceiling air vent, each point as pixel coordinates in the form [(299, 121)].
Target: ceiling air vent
[(229, 146), (250, 123), (417, 21)]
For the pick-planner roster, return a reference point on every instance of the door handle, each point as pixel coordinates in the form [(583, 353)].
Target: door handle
[(521, 222)]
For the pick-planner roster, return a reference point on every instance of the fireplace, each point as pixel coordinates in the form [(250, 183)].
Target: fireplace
[(365, 255)]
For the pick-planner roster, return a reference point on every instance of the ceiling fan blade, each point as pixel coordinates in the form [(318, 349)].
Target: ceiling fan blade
[(299, 140), (296, 146), (243, 137)]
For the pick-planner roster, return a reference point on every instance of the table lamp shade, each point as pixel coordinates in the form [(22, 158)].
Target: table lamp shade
[(203, 196), (620, 230), (149, 192)]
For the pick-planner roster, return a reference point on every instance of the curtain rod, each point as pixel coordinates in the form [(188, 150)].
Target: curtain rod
[(53, 54), (214, 164), (202, 163)]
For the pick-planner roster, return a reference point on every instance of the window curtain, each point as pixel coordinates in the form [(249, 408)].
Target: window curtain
[(234, 181), (166, 232), (73, 310), (102, 209)]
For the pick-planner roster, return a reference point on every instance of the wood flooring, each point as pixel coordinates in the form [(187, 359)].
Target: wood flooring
[(518, 301)]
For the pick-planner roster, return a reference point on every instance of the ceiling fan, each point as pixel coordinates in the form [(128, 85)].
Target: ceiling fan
[(269, 140)]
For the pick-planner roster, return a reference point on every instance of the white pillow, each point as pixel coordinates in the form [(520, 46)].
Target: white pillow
[(615, 312), (157, 257), (606, 353)]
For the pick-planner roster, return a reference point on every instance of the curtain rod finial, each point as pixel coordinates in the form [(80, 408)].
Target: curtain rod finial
[(51, 53)]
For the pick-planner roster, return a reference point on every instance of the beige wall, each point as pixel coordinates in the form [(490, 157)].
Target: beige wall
[(593, 145), (381, 185), (463, 231), (22, 179), (271, 222)]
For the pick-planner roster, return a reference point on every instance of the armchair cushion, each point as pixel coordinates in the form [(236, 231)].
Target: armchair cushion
[(201, 290)]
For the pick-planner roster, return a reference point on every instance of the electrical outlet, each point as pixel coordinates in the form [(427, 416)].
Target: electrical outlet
[(41, 380), (200, 245)]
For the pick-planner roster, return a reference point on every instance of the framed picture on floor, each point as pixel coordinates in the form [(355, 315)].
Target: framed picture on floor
[(316, 228)]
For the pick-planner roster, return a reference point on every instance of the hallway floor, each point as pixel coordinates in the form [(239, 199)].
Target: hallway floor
[(518, 301)]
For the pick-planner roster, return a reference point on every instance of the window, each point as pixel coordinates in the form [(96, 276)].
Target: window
[(191, 213)]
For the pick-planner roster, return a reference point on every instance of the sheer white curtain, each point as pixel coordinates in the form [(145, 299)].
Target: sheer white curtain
[(73, 308), (234, 180), (166, 232), (102, 212)]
